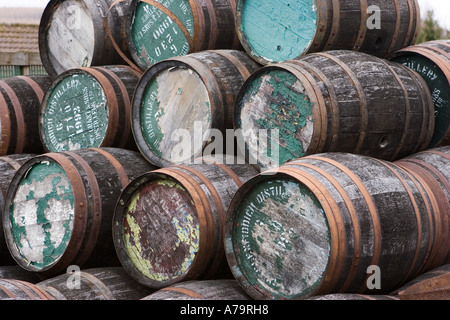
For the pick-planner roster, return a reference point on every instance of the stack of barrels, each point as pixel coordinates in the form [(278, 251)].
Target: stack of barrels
[(228, 149)]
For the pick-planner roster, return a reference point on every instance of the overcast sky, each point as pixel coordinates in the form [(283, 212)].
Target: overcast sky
[(441, 7)]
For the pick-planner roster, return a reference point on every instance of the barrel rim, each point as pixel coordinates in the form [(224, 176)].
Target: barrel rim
[(80, 212), (146, 79), (130, 18), (427, 51), (318, 109), (249, 48), (231, 256), (45, 24), (110, 104), (117, 232)]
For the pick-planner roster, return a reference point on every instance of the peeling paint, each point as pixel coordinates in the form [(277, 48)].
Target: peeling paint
[(161, 230), (42, 214), (276, 99), (281, 248), (168, 120)]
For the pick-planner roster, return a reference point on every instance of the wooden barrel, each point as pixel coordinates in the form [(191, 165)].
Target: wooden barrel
[(8, 168), (111, 283), (18, 273), (432, 285), (332, 223), (180, 103), (352, 296), (217, 289), (89, 108), (158, 30), (276, 31), (432, 61), (20, 100), (82, 33), (59, 208), (433, 166), (335, 101), (12, 289), (168, 223)]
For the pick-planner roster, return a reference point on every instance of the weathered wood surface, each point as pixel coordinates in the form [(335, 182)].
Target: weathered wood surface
[(76, 33), (89, 108), (220, 289), (8, 168), (20, 100), (336, 101), (16, 272), (60, 208), (353, 296), (433, 166), (12, 289), (111, 283), (432, 285), (317, 224), (168, 223), (180, 104), (276, 31), (432, 61), (159, 30)]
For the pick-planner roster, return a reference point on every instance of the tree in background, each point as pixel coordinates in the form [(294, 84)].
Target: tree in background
[(430, 29)]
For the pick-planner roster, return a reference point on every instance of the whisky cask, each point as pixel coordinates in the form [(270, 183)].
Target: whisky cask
[(168, 223), (59, 208), (82, 33), (89, 108), (432, 61), (332, 223), (181, 104), (107, 283), (220, 289), (12, 289), (159, 30), (8, 168), (20, 100), (335, 101), (274, 31), (433, 166)]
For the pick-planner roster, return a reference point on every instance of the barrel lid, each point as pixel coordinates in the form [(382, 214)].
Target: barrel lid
[(435, 70), (75, 112), (277, 238), (274, 31), (276, 116), (40, 215), (67, 36), (157, 230), (156, 32), (171, 114)]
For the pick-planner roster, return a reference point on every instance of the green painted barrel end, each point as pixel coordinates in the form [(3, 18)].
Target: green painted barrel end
[(74, 114), (155, 36), (275, 114), (278, 239), (275, 31), (41, 216), (439, 84)]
